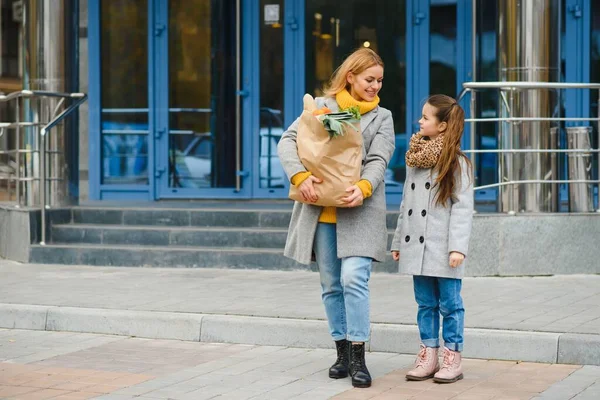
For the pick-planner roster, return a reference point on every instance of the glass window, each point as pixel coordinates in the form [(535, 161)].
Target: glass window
[(595, 76), (334, 31), (9, 39), (487, 100), (124, 91), (271, 93), (202, 82), (442, 48)]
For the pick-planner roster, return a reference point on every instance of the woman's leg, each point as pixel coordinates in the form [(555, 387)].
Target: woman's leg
[(325, 248), (356, 272)]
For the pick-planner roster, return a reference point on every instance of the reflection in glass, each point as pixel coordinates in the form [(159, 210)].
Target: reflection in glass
[(333, 32), (124, 91), (124, 158), (442, 47), (487, 100), (271, 93), (595, 77), (202, 94)]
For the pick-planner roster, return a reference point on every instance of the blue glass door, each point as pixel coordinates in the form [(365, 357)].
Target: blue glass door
[(198, 107)]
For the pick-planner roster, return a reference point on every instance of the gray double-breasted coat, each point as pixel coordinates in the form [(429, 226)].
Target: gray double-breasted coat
[(426, 233), (361, 231)]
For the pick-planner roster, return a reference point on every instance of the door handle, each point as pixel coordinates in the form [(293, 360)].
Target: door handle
[(420, 16)]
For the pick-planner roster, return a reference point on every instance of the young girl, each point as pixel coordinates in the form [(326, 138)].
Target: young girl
[(346, 240), (432, 235)]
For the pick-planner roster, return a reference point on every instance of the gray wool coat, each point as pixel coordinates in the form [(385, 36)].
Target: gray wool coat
[(361, 231), (426, 233)]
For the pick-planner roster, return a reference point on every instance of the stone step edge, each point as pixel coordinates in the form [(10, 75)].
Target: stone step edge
[(140, 247), (190, 228), (545, 347)]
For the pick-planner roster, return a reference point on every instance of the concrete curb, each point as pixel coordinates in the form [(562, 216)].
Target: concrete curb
[(498, 344)]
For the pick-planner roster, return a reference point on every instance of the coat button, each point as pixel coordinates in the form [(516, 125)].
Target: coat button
[(421, 239), (427, 185), (423, 213), (407, 239), (412, 186), (409, 212)]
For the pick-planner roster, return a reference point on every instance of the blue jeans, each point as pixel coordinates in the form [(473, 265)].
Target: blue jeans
[(345, 287), (437, 296)]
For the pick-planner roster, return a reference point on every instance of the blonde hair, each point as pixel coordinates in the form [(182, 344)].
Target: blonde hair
[(356, 63), (448, 166)]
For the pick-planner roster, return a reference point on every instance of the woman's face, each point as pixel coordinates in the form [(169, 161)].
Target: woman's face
[(366, 85)]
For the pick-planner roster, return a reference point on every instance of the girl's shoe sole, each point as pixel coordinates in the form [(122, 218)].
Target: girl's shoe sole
[(440, 380), (418, 379)]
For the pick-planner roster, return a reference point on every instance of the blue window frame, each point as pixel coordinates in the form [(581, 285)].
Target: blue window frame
[(416, 54)]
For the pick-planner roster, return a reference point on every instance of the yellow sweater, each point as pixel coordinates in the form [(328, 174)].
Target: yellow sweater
[(344, 100)]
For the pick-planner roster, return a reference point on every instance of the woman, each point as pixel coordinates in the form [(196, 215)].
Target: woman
[(345, 241)]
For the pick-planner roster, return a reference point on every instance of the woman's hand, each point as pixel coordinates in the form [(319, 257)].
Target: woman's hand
[(355, 197), (396, 255), (456, 259), (307, 189)]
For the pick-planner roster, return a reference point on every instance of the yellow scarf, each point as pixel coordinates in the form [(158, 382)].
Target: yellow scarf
[(345, 100)]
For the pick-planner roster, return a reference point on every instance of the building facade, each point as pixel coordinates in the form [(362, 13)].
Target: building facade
[(188, 98)]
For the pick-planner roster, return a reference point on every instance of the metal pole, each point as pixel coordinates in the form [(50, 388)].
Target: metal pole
[(238, 99), (474, 78), (18, 147), (43, 183), (598, 155), (473, 135), (510, 158)]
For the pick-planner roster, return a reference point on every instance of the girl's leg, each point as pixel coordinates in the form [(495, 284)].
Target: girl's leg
[(451, 308), (427, 296), (356, 272), (325, 248), (428, 319)]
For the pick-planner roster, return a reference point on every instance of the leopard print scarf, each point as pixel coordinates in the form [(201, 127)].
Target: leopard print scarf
[(424, 153)]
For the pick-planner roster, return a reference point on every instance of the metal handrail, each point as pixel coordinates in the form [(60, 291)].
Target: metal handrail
[(45, 127), (65, 113), (512, 86)]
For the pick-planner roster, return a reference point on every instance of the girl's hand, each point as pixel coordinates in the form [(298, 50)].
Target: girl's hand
[(355, 198), (456, 259), (396, 255), (307, 189)]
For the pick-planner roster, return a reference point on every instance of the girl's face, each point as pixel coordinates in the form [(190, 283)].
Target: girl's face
[(429, 124), (366, 85)]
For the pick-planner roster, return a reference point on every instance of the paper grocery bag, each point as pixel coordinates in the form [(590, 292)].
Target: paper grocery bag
[(337, 161)]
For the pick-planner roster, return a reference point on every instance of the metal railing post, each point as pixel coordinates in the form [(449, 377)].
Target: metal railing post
[(42, 138), (18, 138), (598, 154)]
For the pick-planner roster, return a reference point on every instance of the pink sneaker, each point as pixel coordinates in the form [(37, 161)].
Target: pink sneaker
[(426, 364), (451, 370)]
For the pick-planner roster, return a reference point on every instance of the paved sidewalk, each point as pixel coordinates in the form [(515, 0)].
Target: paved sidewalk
[(74, 366), (530, 316)]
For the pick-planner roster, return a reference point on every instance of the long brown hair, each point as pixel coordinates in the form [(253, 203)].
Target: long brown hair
[(356, 63), (448, 165)]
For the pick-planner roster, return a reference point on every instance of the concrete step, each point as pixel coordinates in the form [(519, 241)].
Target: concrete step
[(172, 256), (268, 238), (208, 217), (273, 238)]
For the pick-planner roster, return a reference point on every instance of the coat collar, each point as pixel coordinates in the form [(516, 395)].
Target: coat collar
[(365, 119)]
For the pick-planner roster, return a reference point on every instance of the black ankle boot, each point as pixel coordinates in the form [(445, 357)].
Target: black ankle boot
[(361, 378), (340, 368)]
